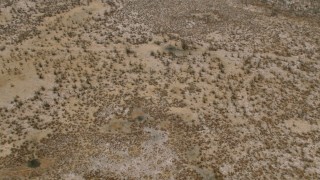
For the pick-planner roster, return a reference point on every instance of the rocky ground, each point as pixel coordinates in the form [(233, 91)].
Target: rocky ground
[(166, 89)]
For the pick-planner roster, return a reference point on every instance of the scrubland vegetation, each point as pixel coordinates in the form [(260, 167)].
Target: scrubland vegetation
[(139, 89)]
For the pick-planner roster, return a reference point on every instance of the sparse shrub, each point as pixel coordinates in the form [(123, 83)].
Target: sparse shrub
[(41, 76), (140, 118), (157, 43), (46, 105), (184, 45), (129, 51), (34, 163), (2, 48)]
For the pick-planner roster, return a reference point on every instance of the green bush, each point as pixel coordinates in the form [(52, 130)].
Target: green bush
[(34, 163)]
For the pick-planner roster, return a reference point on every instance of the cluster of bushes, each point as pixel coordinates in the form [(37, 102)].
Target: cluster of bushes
[(296, 7)]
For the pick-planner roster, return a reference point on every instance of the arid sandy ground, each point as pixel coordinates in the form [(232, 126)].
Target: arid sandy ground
[(159, 89)]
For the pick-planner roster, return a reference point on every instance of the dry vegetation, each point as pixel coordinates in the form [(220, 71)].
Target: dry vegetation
[(168, 89)]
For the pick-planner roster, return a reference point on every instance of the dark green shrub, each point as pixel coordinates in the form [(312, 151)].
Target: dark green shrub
[(34, 163)]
